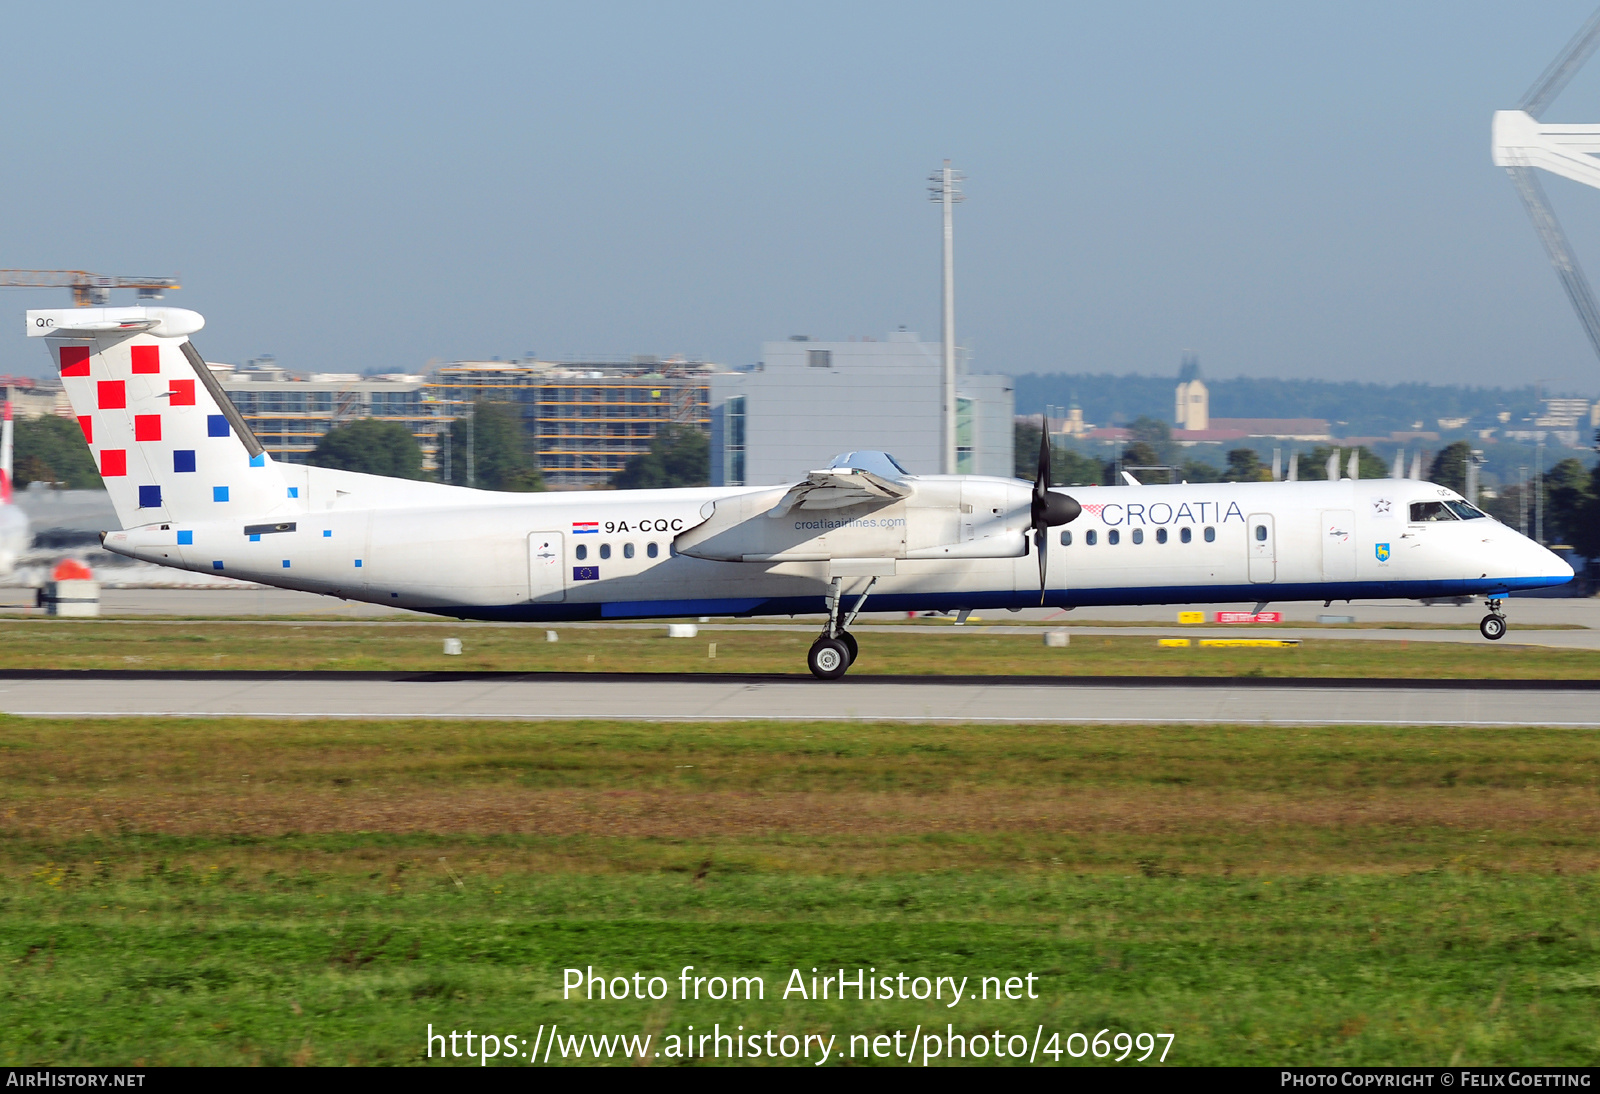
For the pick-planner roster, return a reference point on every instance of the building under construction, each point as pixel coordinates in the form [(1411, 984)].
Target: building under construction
[(586, 417), (289, 414)]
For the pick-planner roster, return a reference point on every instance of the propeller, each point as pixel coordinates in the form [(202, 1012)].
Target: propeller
[(1048, 510)]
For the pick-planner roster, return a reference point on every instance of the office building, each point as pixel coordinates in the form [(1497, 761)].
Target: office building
[(808, 401)]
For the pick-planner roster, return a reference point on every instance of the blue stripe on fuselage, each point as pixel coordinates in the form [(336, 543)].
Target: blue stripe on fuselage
[(1054, 598)]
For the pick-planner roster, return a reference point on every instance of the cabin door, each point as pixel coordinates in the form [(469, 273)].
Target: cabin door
[(547, 568), (1338, 545), (1263, 548)]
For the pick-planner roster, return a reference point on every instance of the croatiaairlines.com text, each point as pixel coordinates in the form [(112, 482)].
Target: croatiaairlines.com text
[(826, 525)]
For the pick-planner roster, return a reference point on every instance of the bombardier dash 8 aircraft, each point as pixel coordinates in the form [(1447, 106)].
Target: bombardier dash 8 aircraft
[(194, 489)]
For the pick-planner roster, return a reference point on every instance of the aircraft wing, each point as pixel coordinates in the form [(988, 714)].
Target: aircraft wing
[(838, 487)]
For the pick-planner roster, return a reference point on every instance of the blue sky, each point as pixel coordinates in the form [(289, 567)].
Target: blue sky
[(1290, 190)]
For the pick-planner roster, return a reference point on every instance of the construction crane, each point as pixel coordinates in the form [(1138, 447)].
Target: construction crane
[(1520, 142), (88, 289)]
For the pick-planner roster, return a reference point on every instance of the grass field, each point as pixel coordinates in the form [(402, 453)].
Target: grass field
[(205, 646), (319, 892)]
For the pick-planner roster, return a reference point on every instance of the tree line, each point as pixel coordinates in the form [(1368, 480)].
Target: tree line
[(1369, 408), (487, 448)]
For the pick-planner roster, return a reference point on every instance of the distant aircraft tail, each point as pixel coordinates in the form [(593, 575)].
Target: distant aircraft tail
[(169, 444), (5, 456)]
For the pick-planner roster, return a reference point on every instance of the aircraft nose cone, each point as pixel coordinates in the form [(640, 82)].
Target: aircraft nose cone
[(1542, 562), (1563, 567)]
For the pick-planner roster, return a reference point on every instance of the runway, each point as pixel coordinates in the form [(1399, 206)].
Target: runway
[(1047, 700)]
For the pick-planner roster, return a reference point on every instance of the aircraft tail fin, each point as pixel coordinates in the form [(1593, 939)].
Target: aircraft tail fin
[(168, 442)]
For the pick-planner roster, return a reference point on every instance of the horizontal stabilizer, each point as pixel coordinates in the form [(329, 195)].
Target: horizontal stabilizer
[(98, 322)]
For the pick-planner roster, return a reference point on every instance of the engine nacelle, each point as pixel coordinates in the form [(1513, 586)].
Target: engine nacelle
[(943, 518)]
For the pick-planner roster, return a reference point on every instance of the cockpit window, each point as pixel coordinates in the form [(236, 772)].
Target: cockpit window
[(1465, 511), (1430, 510)]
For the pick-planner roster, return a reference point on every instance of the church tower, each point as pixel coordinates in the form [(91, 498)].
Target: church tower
[(1192, 405)]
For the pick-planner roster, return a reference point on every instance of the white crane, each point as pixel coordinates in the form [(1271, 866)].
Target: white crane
[(1520, 142)]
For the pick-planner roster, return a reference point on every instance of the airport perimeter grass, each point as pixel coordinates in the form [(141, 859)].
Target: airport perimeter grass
[(205, 646), (254, 891)]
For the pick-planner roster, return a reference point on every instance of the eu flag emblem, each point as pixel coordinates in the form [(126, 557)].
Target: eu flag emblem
[(1383, 552), (586, 573)]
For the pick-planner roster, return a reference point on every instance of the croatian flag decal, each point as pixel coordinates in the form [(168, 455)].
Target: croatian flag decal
[(585, 527)]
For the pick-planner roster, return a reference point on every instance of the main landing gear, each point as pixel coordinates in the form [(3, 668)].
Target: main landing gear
[(835, 651), (1493, 625)]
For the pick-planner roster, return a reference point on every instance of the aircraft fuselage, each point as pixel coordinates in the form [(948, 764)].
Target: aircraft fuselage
[(596, 555)]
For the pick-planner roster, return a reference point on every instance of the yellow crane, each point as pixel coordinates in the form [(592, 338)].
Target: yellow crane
[(88, 289)]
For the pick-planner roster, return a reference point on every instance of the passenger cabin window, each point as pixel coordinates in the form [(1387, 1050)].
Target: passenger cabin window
[(1211, 535), (1424, 511), (1066, 539), (605, 550), (1113, 537), (652, 550), (580, 552), (1090, 536), (627, 550), (1261, 533), (1138, 535), (1161, 535), (1185, 534)]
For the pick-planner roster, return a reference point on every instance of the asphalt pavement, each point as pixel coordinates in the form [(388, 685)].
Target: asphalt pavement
[(544, 697)]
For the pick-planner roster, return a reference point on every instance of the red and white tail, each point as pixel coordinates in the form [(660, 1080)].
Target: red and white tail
[(169, 444), (5, 456)]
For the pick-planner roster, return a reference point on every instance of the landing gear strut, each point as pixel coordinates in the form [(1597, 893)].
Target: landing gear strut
[(1493, 625), (836, 649)]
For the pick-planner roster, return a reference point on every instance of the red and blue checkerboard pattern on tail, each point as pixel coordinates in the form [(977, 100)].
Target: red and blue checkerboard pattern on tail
[(585, 527), (165, 449)]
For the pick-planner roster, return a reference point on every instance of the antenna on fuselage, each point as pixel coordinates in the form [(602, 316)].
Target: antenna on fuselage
[(1353, 468), (1333, 465), (1399, 469), (1416, 465), (1294, 466)]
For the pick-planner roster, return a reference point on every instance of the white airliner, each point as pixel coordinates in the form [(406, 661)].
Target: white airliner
[(15, 536), (194, 489)]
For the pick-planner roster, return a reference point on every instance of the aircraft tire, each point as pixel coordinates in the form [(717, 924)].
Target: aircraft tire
[(850, 644), (1493, 627), (828, 659)]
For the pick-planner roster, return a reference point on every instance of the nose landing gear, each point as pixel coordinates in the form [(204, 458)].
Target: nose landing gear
[(1493, 625), (835, 651)]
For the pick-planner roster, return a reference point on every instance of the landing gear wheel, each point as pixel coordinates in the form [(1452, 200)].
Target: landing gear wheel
[(1493, 627), (849, 641), (828, 658)]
